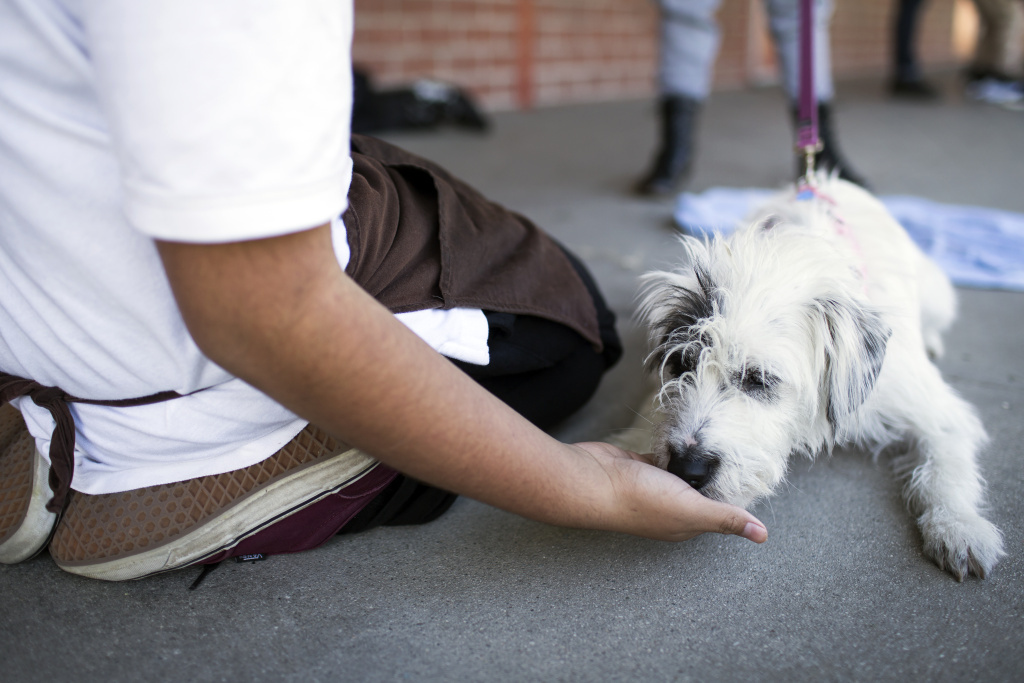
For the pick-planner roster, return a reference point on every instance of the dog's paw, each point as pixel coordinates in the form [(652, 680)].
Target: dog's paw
[(961, 544)]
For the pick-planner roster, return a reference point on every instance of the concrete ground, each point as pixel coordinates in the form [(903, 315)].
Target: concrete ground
[(841, 590)]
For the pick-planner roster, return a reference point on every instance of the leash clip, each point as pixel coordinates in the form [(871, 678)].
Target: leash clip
[(809, 152)]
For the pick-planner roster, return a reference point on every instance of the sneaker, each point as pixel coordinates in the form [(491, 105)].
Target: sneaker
[(995, 91), (25, 523), (1017, 104), (130, 535)]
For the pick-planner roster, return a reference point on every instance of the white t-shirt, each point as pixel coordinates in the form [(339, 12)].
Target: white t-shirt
[(186, 120)]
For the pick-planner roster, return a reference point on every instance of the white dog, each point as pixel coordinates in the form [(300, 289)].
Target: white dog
[(811, 328)]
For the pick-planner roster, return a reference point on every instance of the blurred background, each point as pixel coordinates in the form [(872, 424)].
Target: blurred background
[(517, 54)]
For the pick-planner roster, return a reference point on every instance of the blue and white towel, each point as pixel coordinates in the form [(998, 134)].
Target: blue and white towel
[(976, 246)]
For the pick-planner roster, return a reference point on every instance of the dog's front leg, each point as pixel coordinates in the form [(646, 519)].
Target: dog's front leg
[(943, 485)]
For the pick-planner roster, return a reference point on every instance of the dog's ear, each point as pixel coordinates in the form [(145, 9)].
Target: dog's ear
[(672, 304), (854, 347)]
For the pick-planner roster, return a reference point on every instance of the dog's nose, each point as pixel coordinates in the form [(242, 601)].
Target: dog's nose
[(692, 464)]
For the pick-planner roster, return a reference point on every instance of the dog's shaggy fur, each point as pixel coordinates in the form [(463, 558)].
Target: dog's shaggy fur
[(810, 328)]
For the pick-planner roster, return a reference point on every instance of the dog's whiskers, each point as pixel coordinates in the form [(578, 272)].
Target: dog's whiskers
[(641, 416)]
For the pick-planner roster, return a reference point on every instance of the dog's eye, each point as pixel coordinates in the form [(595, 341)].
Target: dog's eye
[(757, 383)]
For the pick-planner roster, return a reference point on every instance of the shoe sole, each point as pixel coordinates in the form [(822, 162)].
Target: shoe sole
[(255, 512), (33, 530)]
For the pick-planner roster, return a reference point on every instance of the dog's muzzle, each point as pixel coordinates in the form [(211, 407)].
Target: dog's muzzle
[(693, 464)]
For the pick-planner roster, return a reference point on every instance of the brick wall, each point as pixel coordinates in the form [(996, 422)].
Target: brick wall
[(512, 52), (593, 49), (520, 53)]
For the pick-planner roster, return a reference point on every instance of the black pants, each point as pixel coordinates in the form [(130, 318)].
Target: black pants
[(541, 369), (905, 30)]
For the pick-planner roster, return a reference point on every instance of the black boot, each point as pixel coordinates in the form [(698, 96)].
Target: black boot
[(672, 165), (830, 157)]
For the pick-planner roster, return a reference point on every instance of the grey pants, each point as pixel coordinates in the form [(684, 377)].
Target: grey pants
[(689, 46), (1000, 27)]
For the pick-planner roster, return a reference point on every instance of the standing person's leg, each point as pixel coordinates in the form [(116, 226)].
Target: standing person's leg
[(784, 16), (990, 76), (689, 45), (905, 62), (906, 78), (999, 28), (784, 21)]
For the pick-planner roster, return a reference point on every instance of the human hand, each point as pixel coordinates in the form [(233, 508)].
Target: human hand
[(648, 501)]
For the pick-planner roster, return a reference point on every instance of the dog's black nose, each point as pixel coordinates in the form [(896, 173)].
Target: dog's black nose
[(692, 464)]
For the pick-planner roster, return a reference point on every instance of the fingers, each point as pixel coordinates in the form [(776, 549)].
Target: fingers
[(723, 518), (648, 501), (754, 531)]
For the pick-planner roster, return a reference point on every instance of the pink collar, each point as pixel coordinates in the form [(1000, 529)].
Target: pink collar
[(805, 192)]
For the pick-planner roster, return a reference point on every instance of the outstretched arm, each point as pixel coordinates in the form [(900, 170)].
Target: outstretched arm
[(280, 314)]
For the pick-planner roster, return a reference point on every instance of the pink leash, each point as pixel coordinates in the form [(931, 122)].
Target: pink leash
[(807, 141)]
